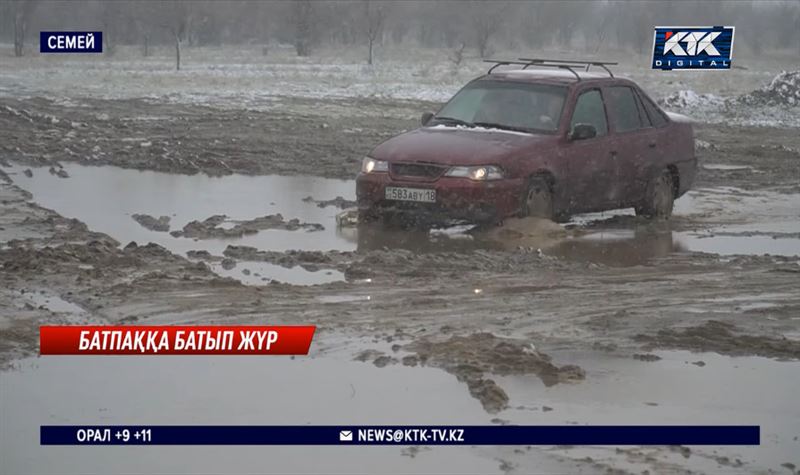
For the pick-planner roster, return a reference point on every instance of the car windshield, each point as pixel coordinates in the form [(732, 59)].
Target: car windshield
[(505, 105)]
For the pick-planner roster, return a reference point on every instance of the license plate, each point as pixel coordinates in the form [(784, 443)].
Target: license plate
[(421, 195)]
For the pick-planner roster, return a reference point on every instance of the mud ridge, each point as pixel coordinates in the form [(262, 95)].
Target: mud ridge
[(470, 358), (210, 228), (337, 202), (160, 224), (724, 338)]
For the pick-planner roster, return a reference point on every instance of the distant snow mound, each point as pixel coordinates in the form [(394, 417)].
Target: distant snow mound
[(784, 90), (690, 99)]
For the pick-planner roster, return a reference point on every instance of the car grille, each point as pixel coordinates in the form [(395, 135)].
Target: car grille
[(417, 170)]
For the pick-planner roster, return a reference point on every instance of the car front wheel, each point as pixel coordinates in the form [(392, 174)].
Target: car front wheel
[(660, 198), (538, 201)]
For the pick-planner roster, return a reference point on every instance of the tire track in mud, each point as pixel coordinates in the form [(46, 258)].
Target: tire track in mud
[(184, 138), (429, 302), (723, 338), (325, 138), (465, 315)]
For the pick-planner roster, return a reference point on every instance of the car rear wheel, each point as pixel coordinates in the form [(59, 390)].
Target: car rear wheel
[(538, 199), (660, 198)]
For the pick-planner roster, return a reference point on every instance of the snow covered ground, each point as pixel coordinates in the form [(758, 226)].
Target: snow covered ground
[(243, 77), (774, 104)]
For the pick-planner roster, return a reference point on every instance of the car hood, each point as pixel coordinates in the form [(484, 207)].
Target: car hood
[(457, 145)]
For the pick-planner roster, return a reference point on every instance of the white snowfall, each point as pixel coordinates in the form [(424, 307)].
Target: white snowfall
[(245, 79)]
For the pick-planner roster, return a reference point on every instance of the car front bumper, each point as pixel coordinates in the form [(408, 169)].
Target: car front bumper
[(456, 198)]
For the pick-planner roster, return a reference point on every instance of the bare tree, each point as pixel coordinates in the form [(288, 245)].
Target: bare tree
[(457, 55), (109, 17), (22, 11), (303, 20), (593, 44), (481, 24), (143, 16), (175, 18), (486, 21), (373, 21), (796, 27)]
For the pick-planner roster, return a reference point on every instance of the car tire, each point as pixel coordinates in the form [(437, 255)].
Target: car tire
[(538, 199), (660, 198)]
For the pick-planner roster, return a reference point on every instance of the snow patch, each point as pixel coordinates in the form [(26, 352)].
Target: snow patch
[(688, 98), (784, 89), (773, 105)]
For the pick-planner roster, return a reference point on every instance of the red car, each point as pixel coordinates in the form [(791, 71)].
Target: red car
[(549, 141)]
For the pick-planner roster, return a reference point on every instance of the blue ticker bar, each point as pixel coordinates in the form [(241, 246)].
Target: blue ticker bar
[(400, 435)]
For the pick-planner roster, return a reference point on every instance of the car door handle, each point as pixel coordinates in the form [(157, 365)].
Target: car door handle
[(652, 145), (614, 153)]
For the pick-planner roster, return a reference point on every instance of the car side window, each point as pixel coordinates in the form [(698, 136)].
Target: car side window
[(656, 116), (622, 109), (589, 110)]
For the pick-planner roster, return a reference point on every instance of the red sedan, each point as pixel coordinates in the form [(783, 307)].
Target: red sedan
[(534, 142)]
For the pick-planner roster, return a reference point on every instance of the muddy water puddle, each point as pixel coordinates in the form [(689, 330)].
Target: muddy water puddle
[(106, 198), (728, 220), (229, 391), (49, 301), (680, 388), (329, 388), (742, 222)]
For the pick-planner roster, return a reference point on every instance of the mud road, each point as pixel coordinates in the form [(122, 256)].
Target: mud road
[(135, 211)]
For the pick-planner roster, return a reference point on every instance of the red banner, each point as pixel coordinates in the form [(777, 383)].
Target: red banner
[(175, 340)]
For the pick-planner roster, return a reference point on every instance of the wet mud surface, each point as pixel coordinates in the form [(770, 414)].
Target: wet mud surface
[(472, 357), (528, 324), (184, 138), (160, 224), (723, 338), (142, 134), (212, 227)]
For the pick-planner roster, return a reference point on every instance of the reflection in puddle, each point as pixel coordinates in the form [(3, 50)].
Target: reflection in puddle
[(106, 197), (261, 273), (752, 245), (48, 301), (343, 298), (726, 167), (619, 248), (612, 247)]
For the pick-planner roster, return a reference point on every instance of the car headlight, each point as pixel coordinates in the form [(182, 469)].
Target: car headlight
[(480, 173), (370, 165)]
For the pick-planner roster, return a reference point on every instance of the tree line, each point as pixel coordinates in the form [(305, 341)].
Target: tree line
[(482, 26)]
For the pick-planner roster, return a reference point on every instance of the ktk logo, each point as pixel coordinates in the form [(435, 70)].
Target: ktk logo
[(696, 42), (692, 47)]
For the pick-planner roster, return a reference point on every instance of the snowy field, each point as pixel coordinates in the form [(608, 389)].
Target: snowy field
[(245, 78)]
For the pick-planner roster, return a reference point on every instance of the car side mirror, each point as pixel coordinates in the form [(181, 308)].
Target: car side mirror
[(582, 132), (426, 117)]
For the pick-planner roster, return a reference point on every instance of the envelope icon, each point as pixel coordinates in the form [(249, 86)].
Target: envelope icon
[(345, 436)]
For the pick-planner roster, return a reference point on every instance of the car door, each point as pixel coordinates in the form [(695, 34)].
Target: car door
[(634, 140), (589, 182), (661, 148)]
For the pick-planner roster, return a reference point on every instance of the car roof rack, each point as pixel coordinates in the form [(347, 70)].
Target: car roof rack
[(587, 64), (569, 65)]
